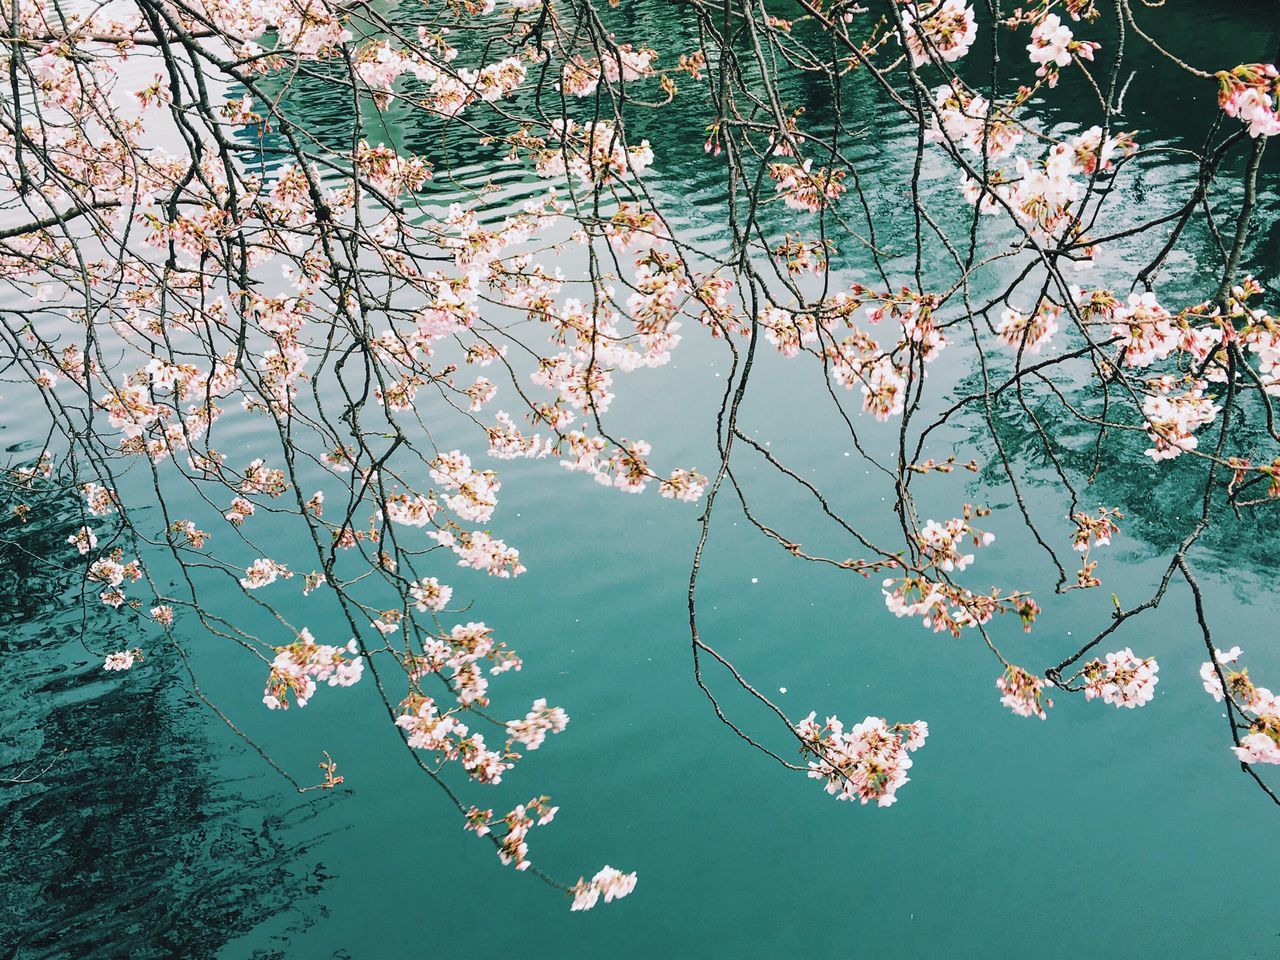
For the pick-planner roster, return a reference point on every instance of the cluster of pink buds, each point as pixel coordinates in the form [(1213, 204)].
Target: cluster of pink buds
[(1092, 532)]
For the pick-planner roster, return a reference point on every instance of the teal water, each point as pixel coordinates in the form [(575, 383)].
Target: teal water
[(157, 833)]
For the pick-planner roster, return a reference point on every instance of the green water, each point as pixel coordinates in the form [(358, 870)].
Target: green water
[(1097, 832)]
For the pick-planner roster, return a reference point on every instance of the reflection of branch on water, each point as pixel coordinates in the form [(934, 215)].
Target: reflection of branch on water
[(122, 829), (23, 777)]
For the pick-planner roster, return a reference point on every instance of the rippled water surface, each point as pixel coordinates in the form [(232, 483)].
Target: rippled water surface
[(153, 831)]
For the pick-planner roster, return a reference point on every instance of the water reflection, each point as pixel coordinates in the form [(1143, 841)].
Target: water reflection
[(127, 841)]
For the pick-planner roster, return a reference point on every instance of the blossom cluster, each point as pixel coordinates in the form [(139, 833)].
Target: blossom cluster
[(858, 360), (943, 606), (1172, 416), (512, 847), (1092, 531), (580, 76), (532, 731), (610, 883), (1261, 708), (941, 30), (1023, 692), (595, 152), (1251, 92), (1122, 679), (804, 188), (867, 762), (1018, 331), (1053, 46), (426, 728), (298, 667), (462, 651), (941, 544), (122, 660), (111, 571)]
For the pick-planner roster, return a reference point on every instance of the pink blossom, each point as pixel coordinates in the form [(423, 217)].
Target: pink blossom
[(540, 721), (263, 572), (945, 30), (803, 188), (1249, 92), (611, 883), (430, 594), (868, 762), (1145, 330), (1122, 680), (123, 660), (298, 667), (83, 540), (1050, 43), (1257, 748), (1023, 692), (1018, 331), (1172, 418), (686, 485)]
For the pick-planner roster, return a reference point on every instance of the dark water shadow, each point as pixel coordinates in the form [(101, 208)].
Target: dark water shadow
[(127, 840)]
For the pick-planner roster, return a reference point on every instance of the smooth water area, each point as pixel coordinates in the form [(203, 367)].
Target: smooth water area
[(156, 832)]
